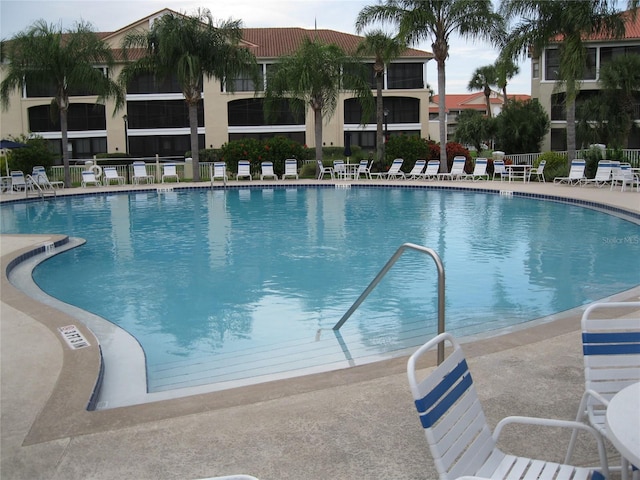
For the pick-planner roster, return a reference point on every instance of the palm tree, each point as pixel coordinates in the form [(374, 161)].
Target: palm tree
[(437, 20), (46, 55), (313, 76), (506, 69), (483, 79), (384, 48), (191, 47), (568, 24)]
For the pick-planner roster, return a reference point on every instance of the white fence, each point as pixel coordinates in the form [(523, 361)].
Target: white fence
[(632, 156)]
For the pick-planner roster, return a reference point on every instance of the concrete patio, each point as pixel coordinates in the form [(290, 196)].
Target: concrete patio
[(358, 423)]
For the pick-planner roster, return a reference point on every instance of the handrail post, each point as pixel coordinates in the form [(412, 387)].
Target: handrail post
[(383, 272)]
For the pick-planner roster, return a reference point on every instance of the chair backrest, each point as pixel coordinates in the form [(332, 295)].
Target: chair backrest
[(577, 169), (433, 166), (110, 172), (17, 177), (267, 168), (396, 165), (611, 348), (418, 167), (499, 168), (338, 166), (39, 175), (604, 170), (169, 169), (540, 169), (291, 166), (219, 170), (244, 168), (89, 177), (364, 166), (450, 412), (139, 169), (458, 165), (480, 167)]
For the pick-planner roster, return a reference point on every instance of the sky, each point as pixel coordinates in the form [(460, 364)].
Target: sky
[(464, 56)]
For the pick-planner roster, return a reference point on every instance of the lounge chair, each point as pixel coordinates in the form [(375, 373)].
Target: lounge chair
[(364, 168), (18, 182), (576, 173), (479, 171), (39, 175), (538, 171), (89, 178), (290, 168), (393, 172), (457, 169), (431, 172), (602, 176), (244, 170), (416, 171), (169, 171), (611, 349), (499, 169), (140, 173), (219, 172), (623, 175), (323, 170), (457, 432), (111, 174), (267, 171)]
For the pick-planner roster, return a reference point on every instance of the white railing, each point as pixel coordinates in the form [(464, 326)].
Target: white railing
[(631, 155)]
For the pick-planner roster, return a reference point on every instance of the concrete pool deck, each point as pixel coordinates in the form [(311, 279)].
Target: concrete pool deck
[(354, 423)]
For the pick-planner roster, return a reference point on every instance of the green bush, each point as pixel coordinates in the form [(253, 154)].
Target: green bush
[(556, 165), (35, 153), (275, 149)]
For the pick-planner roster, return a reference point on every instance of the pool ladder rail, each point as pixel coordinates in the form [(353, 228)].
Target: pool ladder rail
[(394, 258)]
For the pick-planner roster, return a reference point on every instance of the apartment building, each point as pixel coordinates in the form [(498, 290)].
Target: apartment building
[(544, 72), (155, 119)]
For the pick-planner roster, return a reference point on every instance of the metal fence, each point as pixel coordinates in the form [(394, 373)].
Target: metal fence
[(631, 155)]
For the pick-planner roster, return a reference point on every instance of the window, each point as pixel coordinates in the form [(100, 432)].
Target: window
[(246, 84), (552, 64), (161, 114), (405, 75), (163, 145), (250, 112), (81, 116), (400, 110), (147, 83), (298, 137), (535, 69), (609, 53), (46, 89)]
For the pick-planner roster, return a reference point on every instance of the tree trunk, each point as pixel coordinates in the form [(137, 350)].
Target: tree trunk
[(379, 119), (195, 151), (442, 120), (65, 150), (487, 99), (571, 128), (317, 118)]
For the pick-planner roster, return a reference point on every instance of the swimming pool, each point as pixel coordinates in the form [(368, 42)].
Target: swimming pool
[(220, 285)]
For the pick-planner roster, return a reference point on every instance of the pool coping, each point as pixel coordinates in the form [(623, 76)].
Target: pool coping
[(65, 414)]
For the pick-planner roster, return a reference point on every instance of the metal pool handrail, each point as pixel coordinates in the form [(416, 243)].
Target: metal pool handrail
[(383, 272)]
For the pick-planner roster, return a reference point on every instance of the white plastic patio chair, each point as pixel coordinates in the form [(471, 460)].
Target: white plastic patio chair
[(267, 171), (431, 172), (110, 175), (499, 169), (169, 171), (393, 172), (219, 172), (364, 168), (290, 168), (456, 429), (244, 170), (576, 173), (624, 176), (611, 352), (417, 170), (18, 182), (323, 170), (538, 171), (457, 169), (479, 171), (602, 176), (339, 169), (89, 178), (140, 173)]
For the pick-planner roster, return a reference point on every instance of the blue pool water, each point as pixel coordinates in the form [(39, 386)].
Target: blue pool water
[(223, 284)]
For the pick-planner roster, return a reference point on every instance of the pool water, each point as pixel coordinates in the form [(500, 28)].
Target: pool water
[(218, 285)]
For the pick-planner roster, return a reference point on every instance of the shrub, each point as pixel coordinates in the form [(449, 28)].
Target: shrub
[(556, 165), (275, 149), (408, 147), (35, 153), (455, 149)]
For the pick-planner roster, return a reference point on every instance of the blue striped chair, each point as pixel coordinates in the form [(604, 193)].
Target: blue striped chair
[(611, 349), (456, 429)]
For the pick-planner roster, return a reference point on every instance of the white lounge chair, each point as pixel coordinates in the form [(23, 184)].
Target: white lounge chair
[(89, 178), (431, 172), (290, 168), (576, 173), (457, 432), (393, 172), (611, 352), (479, 171), (244, 170), (219, 172), (140, 174), (457, 169), (267, 171), (538, 171), (499, 168), (18, 182), (602, 176), (110, 175), (623, 175), (39, 175), (416, 171), (364, 168), (169, 171), (323, 170)]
